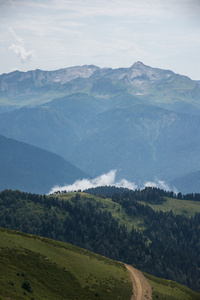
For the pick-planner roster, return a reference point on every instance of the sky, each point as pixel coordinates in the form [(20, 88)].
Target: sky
[(54, 34)]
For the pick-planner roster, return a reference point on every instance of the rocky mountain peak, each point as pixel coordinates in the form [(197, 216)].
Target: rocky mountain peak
[(24, 81), (138, 64), (143, 72)]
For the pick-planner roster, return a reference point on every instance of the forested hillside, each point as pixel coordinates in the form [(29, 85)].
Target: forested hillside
[(163, 244)]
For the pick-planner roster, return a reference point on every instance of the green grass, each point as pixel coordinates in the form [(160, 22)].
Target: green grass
[(117, 211), (50, 269), (179, 207), (182, 207), (56, 270), (169, 290)]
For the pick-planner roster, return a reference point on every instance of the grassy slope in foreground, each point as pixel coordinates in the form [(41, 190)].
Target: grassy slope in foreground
[(48, 269), (169, 290)]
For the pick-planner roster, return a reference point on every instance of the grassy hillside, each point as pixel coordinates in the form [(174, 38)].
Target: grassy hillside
[(169, 290), (166, 244), (179, 207), (184, 207), (106, 204), (34, 267)]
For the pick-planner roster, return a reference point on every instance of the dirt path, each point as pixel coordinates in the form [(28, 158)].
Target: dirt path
[(141, 287)]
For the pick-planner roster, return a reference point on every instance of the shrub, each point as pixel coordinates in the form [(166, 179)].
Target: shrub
[(27, 286)]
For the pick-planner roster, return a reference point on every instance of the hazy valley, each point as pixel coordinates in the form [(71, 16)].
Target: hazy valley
[(141, 121)]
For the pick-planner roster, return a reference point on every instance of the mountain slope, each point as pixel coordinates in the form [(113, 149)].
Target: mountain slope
[(76, 127), (121, 229), (40, 268), (31, 169), (157, 86), (42, 127), (57, 126), (142, 121), (142, 142), (33, 87)]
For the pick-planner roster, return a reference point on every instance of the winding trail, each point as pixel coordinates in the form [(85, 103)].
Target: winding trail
[(141, 288)]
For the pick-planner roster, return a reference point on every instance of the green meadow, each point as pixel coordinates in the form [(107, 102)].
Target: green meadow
[(163, 289), (33, 267), (117, 211), (179, 207)]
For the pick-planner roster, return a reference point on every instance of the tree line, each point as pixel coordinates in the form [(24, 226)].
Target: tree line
[(168, 247), (151, 195)]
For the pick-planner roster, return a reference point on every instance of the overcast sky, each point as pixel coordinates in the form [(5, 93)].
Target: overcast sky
[(54, 34)]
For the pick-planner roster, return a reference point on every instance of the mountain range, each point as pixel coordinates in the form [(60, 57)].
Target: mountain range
[(142, 121), (28, 168)]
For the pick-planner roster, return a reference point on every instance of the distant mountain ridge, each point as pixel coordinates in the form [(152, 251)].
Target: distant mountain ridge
[(18, 87), (37, 87), (27, 168), (42, 78), (142, 121)]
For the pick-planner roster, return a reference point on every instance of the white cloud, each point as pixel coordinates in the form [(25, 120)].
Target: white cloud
[(161, 185), (19, 48), (105, 179), (21, 52), (13, 69), (109, 179)]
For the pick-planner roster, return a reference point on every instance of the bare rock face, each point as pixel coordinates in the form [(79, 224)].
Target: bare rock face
[(138, 69), (26, 81)]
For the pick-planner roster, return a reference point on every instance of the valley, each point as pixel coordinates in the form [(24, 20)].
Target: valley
[(99, 150), (137, 127), (141, 121)]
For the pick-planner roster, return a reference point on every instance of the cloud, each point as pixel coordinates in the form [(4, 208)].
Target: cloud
[(111, 8), (19, 48), (161, 185), (105, 179), (24, 56), (13, 69), (109, 179)]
